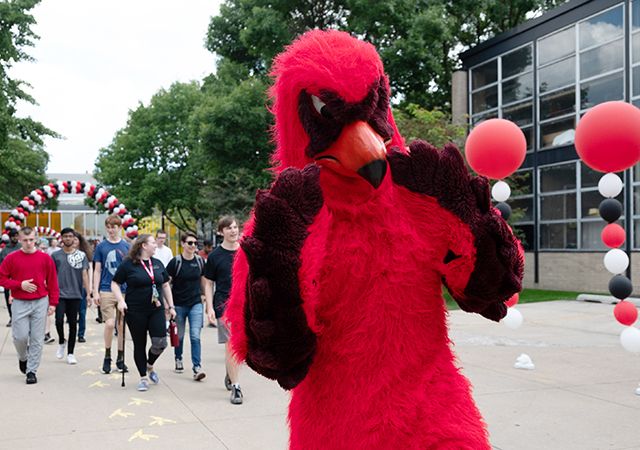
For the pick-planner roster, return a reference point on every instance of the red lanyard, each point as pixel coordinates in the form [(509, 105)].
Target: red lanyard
[(149, 271)]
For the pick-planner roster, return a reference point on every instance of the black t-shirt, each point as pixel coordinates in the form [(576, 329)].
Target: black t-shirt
[(218, 269), (138, 297), (185, 285)]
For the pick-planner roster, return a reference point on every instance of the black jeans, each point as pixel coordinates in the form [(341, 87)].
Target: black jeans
[(6, 299), (141, 323), (69, 307)]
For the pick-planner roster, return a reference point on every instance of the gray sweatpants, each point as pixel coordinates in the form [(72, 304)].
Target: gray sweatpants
[(27, 327)]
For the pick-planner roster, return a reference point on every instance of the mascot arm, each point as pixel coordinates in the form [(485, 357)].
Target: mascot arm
[(482, 268), (279, 341)]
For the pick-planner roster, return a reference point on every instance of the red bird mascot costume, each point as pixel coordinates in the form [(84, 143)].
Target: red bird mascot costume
[(337, 292)]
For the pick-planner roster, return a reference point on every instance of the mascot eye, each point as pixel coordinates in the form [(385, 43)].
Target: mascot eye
[(321, 107)]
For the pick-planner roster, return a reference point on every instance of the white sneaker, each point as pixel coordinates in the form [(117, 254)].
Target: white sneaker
[(71, 359), (60, 351)]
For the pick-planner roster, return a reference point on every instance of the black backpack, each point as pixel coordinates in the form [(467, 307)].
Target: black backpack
[(178, 259)]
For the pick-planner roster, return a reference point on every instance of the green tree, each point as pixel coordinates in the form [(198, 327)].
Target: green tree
[(22, 157), (433, 126)]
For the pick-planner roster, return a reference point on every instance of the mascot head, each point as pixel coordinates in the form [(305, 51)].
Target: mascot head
[(331, 106)]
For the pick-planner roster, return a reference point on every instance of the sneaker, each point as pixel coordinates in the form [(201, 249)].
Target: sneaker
[(198, 374), (143, 385), (9, 323), (60, 351), (48, 339), (98, 319), (227, 382), (153, 376), (81, 339), (106, 366), (23, 366), (71, 359), (121, 366), (179, 366), (236, 395), (31, 378)]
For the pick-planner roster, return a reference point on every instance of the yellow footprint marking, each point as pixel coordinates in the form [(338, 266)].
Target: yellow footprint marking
[(89, 372), (140, 435), (99, 384), (160, 421), (120, 413), (138, 401)]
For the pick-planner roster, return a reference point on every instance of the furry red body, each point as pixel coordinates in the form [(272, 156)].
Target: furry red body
[(379, 372)]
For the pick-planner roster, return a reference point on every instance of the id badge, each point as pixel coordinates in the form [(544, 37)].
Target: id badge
[(155, 296)]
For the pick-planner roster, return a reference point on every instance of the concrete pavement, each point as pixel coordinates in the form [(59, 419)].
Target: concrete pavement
[(580, 395)]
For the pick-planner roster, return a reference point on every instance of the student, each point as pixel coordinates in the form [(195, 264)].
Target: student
[(163, 253), (186, 272), (31, 276), (147, 292)]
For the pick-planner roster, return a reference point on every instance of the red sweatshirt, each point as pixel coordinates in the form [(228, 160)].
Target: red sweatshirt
[(19, 266)]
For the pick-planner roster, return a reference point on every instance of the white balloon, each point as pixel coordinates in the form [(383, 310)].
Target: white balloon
[(630, 339), (513, 319), (616, 261), (610, 185), (500, 191), (5, 237)]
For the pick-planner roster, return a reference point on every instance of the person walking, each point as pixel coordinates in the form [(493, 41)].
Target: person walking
[(106, 260), (163, 253), (148, 291), (218, 277), (72, 266), (31, 276), (187, 282), (80, 243), (12, 246)]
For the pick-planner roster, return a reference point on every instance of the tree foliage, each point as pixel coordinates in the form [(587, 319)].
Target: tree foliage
[(22, 157)]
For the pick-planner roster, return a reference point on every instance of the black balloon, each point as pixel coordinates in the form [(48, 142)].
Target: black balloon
[(620, 287), (505, 210), (610, 209)]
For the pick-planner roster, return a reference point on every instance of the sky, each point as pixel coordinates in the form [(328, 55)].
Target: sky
[(95, 61)]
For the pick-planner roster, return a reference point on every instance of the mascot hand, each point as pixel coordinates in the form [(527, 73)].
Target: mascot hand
[(280, 343), (497, 273)]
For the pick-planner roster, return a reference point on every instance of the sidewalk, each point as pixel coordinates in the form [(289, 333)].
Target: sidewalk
[(580, 395)]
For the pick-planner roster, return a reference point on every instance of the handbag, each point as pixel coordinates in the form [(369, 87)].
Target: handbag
[(173, 333)]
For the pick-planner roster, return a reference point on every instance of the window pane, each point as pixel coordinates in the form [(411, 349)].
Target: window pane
[(558, 74), (522, 209), (559, 132), (636, 80), (601, 90), (636, 201), (635, 15), (485, 99), (601, 28), (528, 135), (484, 74), (558, 207), (591, 231), (590, 178), (636, 103), (558, 178), (517, 88), (486, 116), (556, 46), (520, 114), (516, 62), (521, 183), (558, 235), (601, 59), (635, 47), (558, 103), (526, 235), (591, 202)]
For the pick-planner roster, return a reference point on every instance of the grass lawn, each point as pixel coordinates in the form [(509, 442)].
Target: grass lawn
[(528, 296)]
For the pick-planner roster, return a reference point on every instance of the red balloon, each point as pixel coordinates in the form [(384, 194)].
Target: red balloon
[(513, 301), (608, 137), (613, 235), (626, 313), (496, 148)]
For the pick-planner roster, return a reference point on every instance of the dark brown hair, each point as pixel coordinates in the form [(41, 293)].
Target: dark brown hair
[(225, 221), (84, 246), (186, 235), (25, 231), (136, 248)]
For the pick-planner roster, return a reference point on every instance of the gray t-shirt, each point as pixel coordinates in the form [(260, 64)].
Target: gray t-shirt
[(70, 267)]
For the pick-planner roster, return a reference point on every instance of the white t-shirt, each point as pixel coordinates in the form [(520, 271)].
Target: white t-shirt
[(164, 254)]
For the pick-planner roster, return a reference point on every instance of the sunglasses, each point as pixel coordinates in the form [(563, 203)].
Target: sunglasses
[(191, 242)]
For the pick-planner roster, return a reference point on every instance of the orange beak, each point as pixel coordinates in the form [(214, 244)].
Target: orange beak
[(358, 151)]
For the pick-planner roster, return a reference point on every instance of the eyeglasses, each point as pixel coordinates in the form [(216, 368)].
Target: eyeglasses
[(191, 242)]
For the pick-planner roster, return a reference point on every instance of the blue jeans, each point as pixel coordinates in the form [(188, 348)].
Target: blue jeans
[(82, 320), (195, 314)]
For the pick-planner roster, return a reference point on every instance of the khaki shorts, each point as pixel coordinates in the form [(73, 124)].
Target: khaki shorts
[(108, 305)]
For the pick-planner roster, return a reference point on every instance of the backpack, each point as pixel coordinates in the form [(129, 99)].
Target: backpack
[(178, 259)]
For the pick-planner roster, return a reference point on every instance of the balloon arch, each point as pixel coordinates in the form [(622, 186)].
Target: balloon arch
[(37, 197)]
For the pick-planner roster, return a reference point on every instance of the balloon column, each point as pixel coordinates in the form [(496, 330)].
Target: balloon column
[(46, 231), (496, 148), (608, 140), (37, 197)]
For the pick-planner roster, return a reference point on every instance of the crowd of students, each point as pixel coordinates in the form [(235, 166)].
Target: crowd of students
[(140, 284)]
